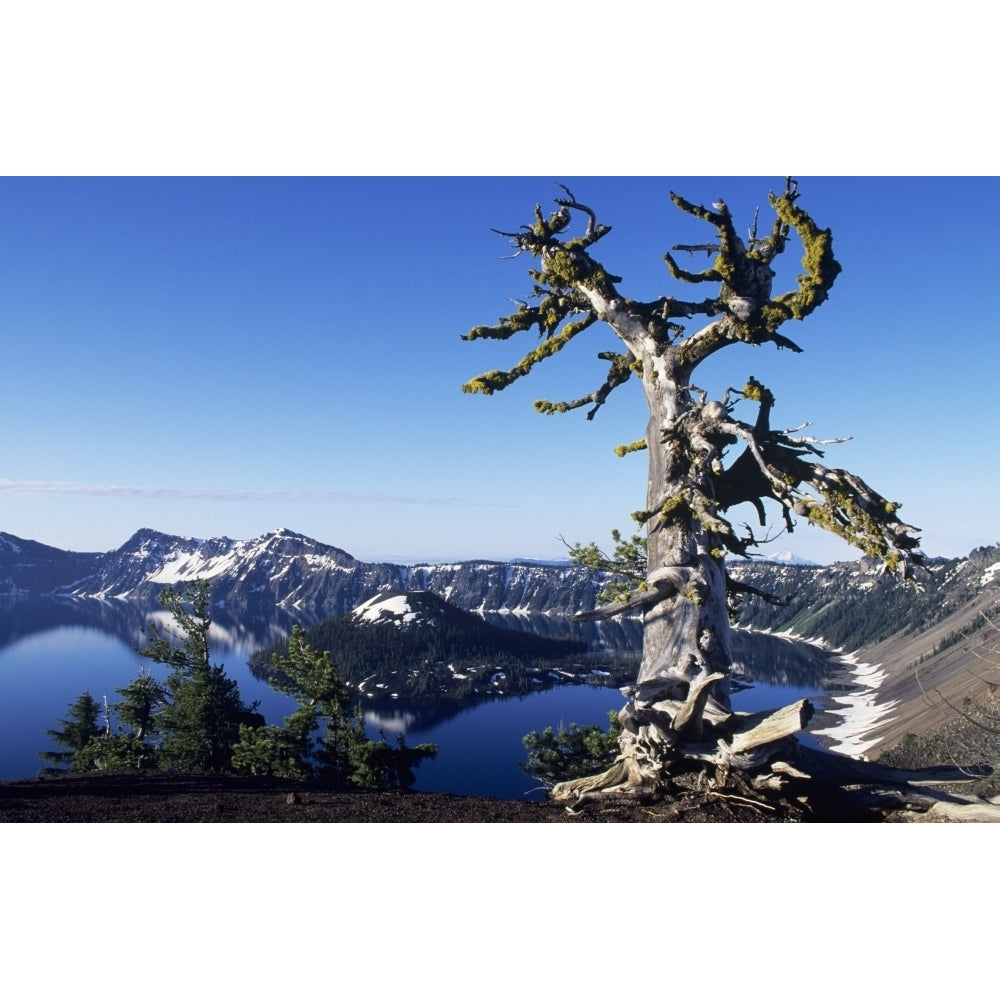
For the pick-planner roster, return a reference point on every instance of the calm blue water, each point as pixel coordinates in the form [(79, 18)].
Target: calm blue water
[(42, 674), (479, 747)]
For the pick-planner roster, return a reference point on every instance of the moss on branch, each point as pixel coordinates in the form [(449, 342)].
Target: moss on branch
[(496, 380), (574, 291), (626, 449)]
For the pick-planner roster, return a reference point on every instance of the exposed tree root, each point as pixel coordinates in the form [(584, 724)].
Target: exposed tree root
[(763, 767), (744, 801)]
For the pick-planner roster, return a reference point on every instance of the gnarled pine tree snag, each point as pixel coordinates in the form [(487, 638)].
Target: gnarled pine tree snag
[(679, 707)]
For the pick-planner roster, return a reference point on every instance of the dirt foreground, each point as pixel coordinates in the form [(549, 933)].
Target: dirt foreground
[(171, 798)]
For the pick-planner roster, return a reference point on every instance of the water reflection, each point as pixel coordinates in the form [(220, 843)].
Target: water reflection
[(616, 636), (124, 619), (411, 715), (51, 651), (779, 661)]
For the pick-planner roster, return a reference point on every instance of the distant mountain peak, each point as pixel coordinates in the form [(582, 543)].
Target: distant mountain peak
[(786, 556), (147, 535), (286, 533)]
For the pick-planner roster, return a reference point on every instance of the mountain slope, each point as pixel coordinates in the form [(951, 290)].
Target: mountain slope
[(854, 605), (284, 570), (415, 643), (921, 645), (29, 568)]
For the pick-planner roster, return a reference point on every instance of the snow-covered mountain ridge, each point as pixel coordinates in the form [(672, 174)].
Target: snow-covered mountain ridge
[(281, 570), (849, 604)]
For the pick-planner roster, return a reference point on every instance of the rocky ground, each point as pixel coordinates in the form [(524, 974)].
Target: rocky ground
[(170, 798)]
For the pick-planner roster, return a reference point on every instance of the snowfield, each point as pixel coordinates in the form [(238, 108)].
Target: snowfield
[(379, 607)]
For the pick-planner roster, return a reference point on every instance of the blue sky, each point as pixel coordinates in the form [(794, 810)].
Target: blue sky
[(213, 356)]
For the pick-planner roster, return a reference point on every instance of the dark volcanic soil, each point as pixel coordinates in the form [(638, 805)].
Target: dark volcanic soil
[(171, 798)]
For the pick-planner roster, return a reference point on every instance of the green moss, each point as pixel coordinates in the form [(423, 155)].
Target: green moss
[(818, 262), (496, 380), (544, 406), (725, 268), (626, 449), (758, 392), (487, 383), (672, 505), (564, 268), (841, 514)]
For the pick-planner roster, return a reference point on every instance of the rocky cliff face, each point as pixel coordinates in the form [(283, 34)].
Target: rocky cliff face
[(850, 605), (283, 571), (511, 588)]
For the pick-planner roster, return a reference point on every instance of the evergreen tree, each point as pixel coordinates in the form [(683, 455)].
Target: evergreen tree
[(343, 753), (311, 678), (118, 752), (140, 699), (128, 750), (79, 728), (570, 753), (201, 716), (273, 751), (375, 764)]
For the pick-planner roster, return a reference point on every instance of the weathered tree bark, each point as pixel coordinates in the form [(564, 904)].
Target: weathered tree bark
[(687, 651), (969, 811), (679, 708)]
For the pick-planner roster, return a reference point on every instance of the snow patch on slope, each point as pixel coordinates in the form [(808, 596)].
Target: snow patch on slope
[(861, 712), (379, 607)]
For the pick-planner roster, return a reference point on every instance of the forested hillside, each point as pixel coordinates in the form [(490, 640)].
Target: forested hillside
[(417, 645), (852, 605)]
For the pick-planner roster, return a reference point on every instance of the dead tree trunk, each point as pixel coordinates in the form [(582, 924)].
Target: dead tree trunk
[(680, 707)]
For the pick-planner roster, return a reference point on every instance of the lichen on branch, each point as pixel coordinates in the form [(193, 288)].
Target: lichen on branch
[(575, 291)]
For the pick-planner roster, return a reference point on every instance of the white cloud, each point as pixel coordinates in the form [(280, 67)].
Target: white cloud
[(39, 488)]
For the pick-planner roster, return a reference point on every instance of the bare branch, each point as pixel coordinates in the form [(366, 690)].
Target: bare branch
[(657, 585), (620, 372), (594, 231)]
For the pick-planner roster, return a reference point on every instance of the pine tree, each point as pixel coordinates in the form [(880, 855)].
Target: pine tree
[(140, 699), (295, 750), (132, 748), (571, 752), (201, 717), (342, 754), (79, 727), (376, 764)]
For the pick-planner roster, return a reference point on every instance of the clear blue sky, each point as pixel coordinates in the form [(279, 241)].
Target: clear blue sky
[(230, 355)]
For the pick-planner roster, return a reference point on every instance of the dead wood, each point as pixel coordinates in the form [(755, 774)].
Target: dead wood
[(770, 727), (689, 721)]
